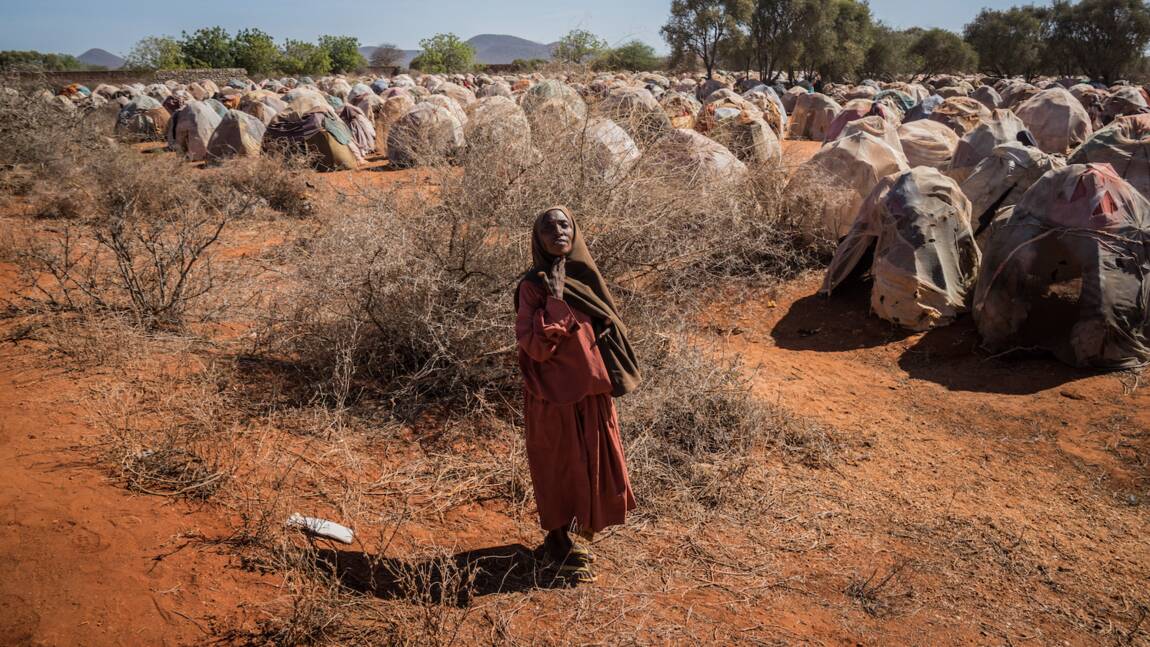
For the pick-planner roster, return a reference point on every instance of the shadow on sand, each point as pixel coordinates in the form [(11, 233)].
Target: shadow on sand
[(453, 580)]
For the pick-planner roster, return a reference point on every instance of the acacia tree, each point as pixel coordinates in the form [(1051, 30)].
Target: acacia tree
[(386, 55), (772, 27), (298, 57), (1008, 43), (578, 47), (209, 47), (155, 53), (700, 27), (444, 53), (254, 51), (1108, 37), (942, 51), (343, 52)]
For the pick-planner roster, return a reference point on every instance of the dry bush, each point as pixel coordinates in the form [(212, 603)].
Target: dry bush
[(277, 182), (40, 134), (142, 247)]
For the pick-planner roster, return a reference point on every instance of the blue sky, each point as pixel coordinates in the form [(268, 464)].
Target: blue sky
[(73, 26)]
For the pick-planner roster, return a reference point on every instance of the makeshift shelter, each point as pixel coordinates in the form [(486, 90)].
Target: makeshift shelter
[(852, 111), (319, 134), (361, 127), (879, 127), (987, 96), (768, 102), (636, 111), (1067, 272), (190, 129), (498, 129), (143, 118), (1003, 126), (1000, 181), (1125, 146), (553, 105), (852, 166), (1057, 120), (791, 98), (743, 132), (928, 143), (696, 158), (239, 135), (1124, 101), (925, 259), (611, 152), (460, 94), (682, 109), (427, 134), (961, 114), (812, 117)]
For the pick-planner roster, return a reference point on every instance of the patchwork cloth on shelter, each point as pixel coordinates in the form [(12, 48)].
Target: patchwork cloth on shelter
[(925, 257), (1000, 181), (1084, 229), (1124, 145)]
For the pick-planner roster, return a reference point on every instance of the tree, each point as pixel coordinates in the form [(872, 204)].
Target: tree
[(300, 58), (343, 52), (1108, 37), (772, 30), (39, 61), (578, 47), (209, 47), (155, 53), (889, 54), (943, 51), (700, 27), (1008, 43), (443, 53), (853, 31), (254, 51), (387, 55), (634, 56)]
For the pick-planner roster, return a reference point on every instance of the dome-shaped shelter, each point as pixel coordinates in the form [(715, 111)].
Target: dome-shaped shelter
[(925, 259), (1002, 127), (1000, 181), (238, 135), (696, 158), (1057, 120), (428, 134), (928, 143), (1067, 272), (1125, 146), (812, 117)]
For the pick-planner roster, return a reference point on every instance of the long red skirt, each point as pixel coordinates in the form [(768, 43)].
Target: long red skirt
[(577, 465)]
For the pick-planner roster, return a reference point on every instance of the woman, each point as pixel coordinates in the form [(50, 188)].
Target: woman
[(574, 355)]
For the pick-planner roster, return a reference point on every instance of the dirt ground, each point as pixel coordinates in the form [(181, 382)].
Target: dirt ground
[(975, 500)]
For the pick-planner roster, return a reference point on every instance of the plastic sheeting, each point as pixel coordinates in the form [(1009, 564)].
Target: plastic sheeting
[(928, 143), (1057, 120), (1124, 145), (925, 258), (1000, 181), (1084, 233)]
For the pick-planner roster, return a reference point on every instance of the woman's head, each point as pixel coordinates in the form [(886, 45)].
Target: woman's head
[(555, 232)]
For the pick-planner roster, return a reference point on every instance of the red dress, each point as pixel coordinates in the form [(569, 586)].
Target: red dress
[(573, 446)]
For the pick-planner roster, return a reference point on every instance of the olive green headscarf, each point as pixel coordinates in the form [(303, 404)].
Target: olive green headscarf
[(586, 291)]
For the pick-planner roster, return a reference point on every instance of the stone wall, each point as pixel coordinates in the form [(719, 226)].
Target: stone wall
[(119, 77)]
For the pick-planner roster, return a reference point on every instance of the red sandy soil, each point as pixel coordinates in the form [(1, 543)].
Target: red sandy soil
[(1016, 489)]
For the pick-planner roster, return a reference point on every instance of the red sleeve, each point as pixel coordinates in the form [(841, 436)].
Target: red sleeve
[(542, 322)]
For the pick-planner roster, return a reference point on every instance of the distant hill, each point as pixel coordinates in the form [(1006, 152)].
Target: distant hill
[(101, 58), (498, 49), (490, 49)]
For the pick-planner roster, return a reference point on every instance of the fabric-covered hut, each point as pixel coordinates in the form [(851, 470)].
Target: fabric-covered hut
[(190, 129), (1067, 272), (812, 117), (1003, 126), (928, 143), (999, 181), (239, 135), (1125, 146), (1057, 120), (427, 134), (925, 260)]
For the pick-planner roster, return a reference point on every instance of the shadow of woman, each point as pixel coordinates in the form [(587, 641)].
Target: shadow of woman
[(453, 580)]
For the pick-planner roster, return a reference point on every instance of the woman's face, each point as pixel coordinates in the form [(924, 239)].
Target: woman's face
[(555, 232)]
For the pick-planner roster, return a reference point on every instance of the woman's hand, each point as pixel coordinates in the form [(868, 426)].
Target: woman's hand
[(555, 278)]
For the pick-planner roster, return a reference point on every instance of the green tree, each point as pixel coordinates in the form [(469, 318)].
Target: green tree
[(1008, 43), (853, 31), (889, 54), (773, 28), (1109, 37), (39, 61), (634, 56), (578, 47), (942, 51), (254, 51), (209, 47), (387, 55), (699, 28), (343, 52), (298, 58), (443, 53), (155, 53)]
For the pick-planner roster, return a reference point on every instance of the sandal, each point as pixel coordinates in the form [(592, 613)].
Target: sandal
[(578, 571)]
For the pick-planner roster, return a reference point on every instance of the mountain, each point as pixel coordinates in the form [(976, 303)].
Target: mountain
[(101, 58), (498, 49)]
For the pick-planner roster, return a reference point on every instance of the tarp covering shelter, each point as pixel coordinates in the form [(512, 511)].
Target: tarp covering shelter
[(925, 259), (695, 157), (190, 129), (812, 117), (745, 133), (1057, 120), (498, 128), (610, 150), (853, 165), (362, 129), (879, 127), (962, 114), (682, 109), (1124, 145), (637, 111), (1126, 100), (319, 134), (1000, 181), (238, 135), (928, 143), (144, 118), (1067, 272), (427, 134), (1003, 126)]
